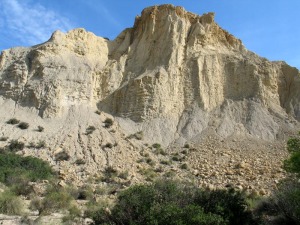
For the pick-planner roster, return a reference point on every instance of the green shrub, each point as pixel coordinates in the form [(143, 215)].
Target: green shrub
[(90, 130), (188, 215), (170, 174), (19, 184), (15, 146), (156, 145), (149, 174), (56, 199), (146, 154), (23, 125), (168, 202), (186, 146), (85, 193), (10, 204), (184, 152), (138, 135), (150, 161), (108, 123), (108, 145), (62, 156), (165, 162), (184, 166), (229, 204), (293, 163), (284, 205), (73, 213), (160, 151), (124, 175), (175, 158), (80, 161), (38, 145), (13, 121), (40, 129), (97, 211), (3, 138), (109, 174), (286, 202), (14, 167)]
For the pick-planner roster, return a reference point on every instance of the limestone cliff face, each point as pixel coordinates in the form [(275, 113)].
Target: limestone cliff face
[(174, 74)]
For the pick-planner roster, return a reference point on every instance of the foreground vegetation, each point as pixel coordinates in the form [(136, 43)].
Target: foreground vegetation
[(161, 202), (172, 202)]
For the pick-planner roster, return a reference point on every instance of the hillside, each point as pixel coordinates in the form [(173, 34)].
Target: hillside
[(174, 78)]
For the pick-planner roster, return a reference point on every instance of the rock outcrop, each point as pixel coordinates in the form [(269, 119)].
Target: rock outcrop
[(176, 76)]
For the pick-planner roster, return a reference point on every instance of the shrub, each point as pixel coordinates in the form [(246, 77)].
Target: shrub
[(138, 135), (19, 184), (156, 145), (184, 166), (15, 146), (150, 161), (15, 167), (149, 174), (38, 145), (73, 213), (97, 211), (108, 123), (146, 154), (163, 202), (159, 169), (293, 163), (165, 162), (186, 146), (108, 145), (13, 121), (10, 204), (124, 175), (90, 130), (283, 207), (229, 204), (3, 138), (85, 193), (170, 174), (175, 158), (56, 198), (284, 204), (23, 125), (109, 174), (40, 129), (80, 161), (184, 152), (140, 160), (160, 151), (62, 156)]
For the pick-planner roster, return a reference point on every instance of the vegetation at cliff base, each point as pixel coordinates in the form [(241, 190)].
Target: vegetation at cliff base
[(15, 168), (174, 202)]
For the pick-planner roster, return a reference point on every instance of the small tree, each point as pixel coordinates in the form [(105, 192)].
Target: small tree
[(293, 163), (108, 122), (23, 125), (13, 121), (284, 204)]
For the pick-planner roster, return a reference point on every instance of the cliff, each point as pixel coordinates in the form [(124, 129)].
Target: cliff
[(175, 76)]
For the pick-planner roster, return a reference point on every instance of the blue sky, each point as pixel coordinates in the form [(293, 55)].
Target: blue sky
[(269, 28)]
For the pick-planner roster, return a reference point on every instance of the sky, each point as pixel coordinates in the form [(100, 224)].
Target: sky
[(270, 28)]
